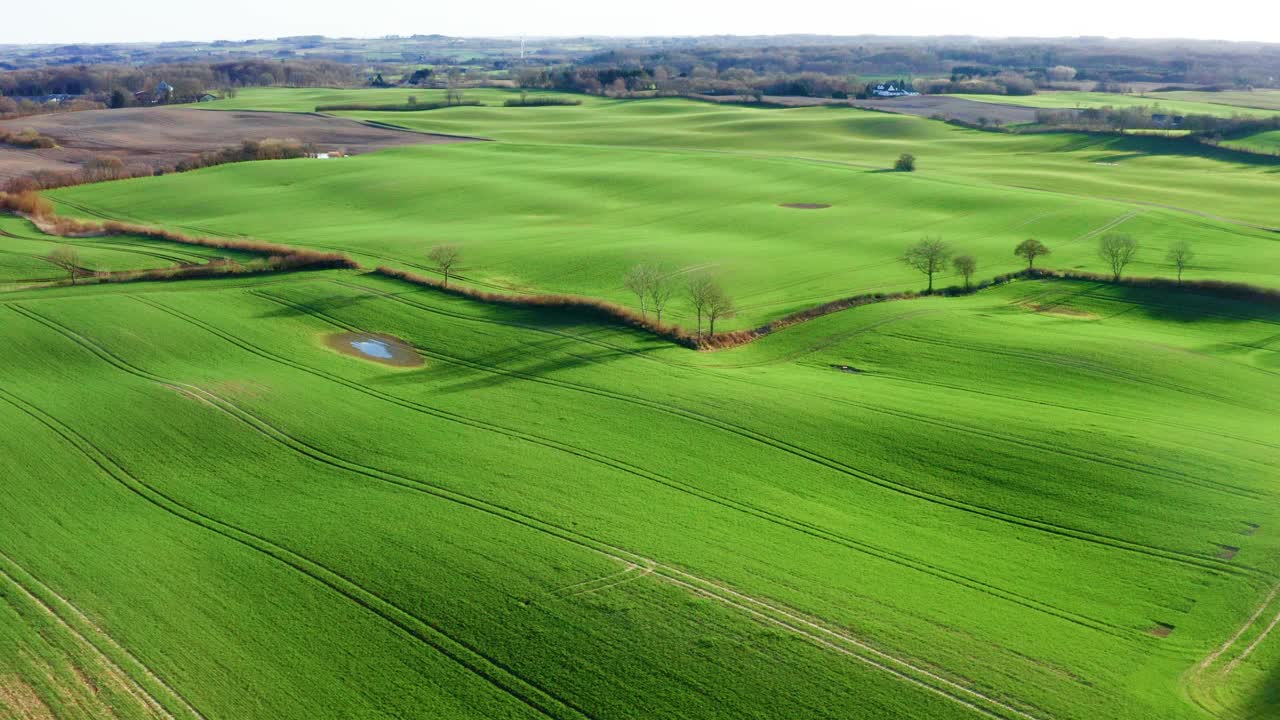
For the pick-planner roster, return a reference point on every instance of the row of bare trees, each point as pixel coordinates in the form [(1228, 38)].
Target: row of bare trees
[(930, 256), (654, 287)]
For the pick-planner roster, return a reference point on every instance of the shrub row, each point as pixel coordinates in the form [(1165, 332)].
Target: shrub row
[(541, 101), (28, 139), (406, 107), (40, 211), (590, 306), (720, 341), (223, 267)]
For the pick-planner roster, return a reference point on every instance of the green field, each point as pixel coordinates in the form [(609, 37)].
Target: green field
[(308, 99), (1179, 103), (1263, 142), (451, 536), (1263, 99), (1047, 500)]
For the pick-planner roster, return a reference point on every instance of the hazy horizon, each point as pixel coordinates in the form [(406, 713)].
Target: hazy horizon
[(131, 21)]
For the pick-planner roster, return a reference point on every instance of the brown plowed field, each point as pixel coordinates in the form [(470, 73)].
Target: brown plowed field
[(160, 137)]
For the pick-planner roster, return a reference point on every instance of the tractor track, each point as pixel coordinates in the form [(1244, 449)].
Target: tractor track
[(1177, 556), (762, 610), (760, 513)]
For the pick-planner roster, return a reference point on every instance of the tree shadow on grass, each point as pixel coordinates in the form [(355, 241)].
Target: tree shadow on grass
[(310, 308), (1128, 147), (1188, 306), (522, 363), (1265, 702)]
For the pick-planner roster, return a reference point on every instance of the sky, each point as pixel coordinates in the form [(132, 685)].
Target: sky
[(155, 20)]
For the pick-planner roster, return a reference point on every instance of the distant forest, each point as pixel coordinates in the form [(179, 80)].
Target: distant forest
[(813, 66)]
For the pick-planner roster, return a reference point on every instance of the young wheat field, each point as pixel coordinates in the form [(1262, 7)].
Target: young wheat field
[(1053, 498)]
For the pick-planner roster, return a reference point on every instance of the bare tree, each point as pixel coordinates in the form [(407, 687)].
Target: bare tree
[(1117, 249), (719, 305), (1061, 73), (1030, 249), (639, 280), (928, 256), (444, 257), (65, 257), (1180, 256), (700, 290), (965, 265), (453, 86), (660, 292)]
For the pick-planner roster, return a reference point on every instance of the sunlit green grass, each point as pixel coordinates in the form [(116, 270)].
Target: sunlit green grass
[(1178, 103), (1000, 494)]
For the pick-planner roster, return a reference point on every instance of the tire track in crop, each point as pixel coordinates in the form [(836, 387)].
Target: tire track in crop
[(131, 684), (1177, 477), (760, 513), (1244, 654), (996, 514), (1213, 656), (425, 632), (767, 515), (388, 610), (899, 667), (1061, 361)]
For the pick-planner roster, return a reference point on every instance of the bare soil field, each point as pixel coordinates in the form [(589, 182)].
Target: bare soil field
[(160, 137)]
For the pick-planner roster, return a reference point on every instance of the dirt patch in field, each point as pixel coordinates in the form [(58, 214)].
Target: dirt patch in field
[(160, 137), (1161, 630), (847, 369), (1250, 529), (805, 206), (1226, 552), (376, 347), (19, 698)]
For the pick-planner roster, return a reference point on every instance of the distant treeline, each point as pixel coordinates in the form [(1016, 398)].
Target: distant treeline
[(831, 67), (189, 79)]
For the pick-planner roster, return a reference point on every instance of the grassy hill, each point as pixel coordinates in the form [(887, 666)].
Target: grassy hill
[(572, 196), (553, 518), (1048, 500), (1179, 103)]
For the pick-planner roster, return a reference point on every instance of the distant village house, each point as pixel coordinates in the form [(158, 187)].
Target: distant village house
[(892, 90)]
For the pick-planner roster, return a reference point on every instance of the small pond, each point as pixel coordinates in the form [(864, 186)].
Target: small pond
[(377, 347)]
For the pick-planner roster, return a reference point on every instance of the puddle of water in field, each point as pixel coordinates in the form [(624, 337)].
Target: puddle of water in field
[(384, 349)]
